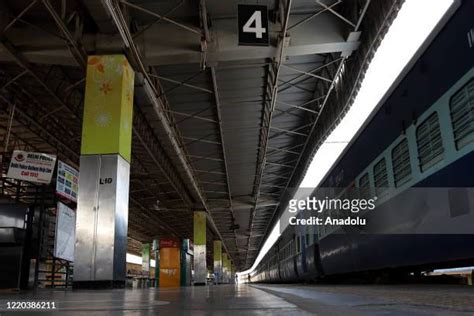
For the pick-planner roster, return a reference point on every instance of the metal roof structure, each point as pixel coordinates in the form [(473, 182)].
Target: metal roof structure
[(218, 127)]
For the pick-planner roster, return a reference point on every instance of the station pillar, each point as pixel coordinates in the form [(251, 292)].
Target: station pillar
[(229, 273), (102, 209), (217, 261), (146, 259), (156, 252), (225, 276), (170, 262), (200, 268), (232, 272), (186, 266)]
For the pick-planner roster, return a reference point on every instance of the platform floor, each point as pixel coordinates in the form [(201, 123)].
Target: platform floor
[(261, 300)]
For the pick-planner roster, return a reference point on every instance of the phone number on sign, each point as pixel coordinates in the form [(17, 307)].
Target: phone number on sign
[(31, 305)]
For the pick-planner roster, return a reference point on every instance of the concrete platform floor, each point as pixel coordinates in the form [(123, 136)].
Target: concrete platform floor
[(246, 299)]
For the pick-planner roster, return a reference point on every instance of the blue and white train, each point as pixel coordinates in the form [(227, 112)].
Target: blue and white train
[(419, 139)]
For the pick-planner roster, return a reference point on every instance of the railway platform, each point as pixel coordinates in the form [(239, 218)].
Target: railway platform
[(245, 299)]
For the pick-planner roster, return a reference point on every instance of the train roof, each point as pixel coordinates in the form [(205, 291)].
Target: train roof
[(397, 82)]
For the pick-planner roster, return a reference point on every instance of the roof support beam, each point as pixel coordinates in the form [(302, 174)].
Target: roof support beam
[(311, 72), (181, 83), (276, 149), (12, 80), (314, 124), (77, 50), (158, 49), (279, 164), (269, 107), (197, 117), (297, 107), (312, 16), (157, 103), (43, 129), (161, 17), (142, 131), (18, 17), (306, 73), (335, 13), (284, 131), (201, 140), (205, 158), (20, 60)]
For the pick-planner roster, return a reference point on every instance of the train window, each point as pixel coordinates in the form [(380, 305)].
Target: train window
[(364, 186), (380, 177), (462, 115), (430, 145), (401, 163)]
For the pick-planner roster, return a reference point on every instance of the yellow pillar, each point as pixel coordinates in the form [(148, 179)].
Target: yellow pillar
[(102, 209), (218, 261), (200, 268), (108, 107)]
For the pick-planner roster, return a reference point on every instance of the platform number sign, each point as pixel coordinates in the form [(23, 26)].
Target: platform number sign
[(253, 25)]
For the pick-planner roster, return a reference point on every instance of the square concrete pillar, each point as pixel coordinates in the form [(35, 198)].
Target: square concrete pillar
[(225, 270), (218, 261), (146, 259), (200, 267), (102, 209)]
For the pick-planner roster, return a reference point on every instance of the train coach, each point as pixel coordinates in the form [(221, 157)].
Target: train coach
[(415, 153)]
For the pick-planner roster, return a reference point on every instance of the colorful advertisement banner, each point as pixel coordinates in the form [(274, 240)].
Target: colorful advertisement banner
[(31, 166), (108, 106), (67, 181)]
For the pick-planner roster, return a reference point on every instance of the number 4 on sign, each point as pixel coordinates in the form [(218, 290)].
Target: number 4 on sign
[(257, 29)]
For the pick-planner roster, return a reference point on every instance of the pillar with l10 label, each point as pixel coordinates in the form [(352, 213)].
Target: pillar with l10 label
[(102, 209)]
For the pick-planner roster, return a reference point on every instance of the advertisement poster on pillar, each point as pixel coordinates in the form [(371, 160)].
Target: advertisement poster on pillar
[(67, 181), (31, 166)]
